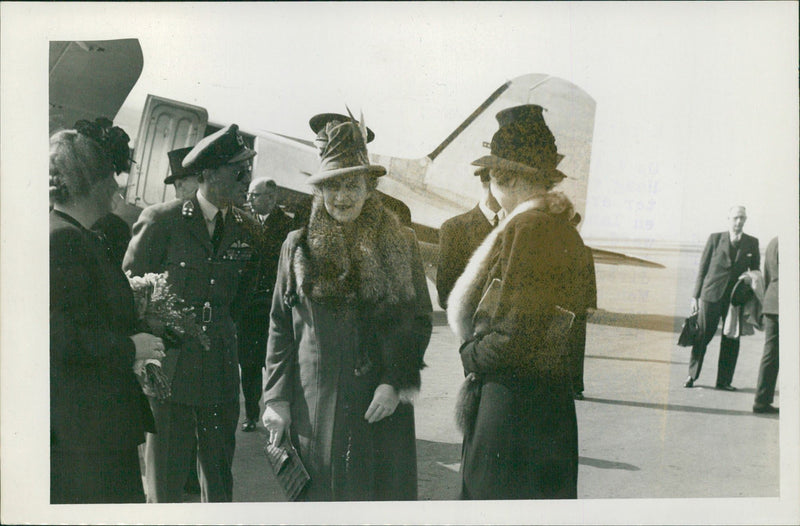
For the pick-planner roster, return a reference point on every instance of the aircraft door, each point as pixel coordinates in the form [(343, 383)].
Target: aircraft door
[(165, 125)]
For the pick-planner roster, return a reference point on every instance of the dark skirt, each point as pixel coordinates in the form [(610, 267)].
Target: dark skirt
[(95, 477), (524, 444)]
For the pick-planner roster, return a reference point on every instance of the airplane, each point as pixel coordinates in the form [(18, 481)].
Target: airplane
[(93, 78)]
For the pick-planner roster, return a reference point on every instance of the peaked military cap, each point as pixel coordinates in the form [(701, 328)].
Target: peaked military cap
[(225, 146)]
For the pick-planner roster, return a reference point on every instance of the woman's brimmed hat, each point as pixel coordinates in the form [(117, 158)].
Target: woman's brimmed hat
[(342, 144), (524, 144)]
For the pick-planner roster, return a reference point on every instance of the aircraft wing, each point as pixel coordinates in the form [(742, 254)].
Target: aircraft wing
[(90, 79), (608, 257)]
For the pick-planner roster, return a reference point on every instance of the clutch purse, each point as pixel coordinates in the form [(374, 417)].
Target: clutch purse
[(288, 468), (688, 332)]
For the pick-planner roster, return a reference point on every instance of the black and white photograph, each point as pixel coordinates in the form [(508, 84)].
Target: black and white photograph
[(399, 263)]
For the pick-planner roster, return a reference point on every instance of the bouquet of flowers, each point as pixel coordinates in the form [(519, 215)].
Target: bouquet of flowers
[(165, 315)]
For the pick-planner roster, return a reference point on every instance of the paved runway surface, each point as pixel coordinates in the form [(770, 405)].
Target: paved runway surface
[(641, 433)]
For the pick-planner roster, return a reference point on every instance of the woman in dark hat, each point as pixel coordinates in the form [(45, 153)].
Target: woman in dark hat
[(512, 308), (98, 414), (349, 326)]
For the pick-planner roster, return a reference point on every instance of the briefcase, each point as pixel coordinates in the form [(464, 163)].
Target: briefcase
[(288, 468), (689, 332)]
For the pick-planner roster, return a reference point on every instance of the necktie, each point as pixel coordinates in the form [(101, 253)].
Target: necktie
[(495, 220), (219, 229)]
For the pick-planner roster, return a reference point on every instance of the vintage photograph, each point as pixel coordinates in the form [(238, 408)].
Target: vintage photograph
[(400, 263)]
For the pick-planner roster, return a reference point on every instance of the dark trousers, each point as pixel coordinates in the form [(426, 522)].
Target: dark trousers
[(768, 371), (708, 318), (578, 352), (252, 346), (169, 451), (95, 477)]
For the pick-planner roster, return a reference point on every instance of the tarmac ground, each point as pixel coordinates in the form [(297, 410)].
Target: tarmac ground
[(641, 433)]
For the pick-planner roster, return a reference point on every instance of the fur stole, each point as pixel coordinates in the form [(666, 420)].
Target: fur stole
[(367, 261), (468, 288)]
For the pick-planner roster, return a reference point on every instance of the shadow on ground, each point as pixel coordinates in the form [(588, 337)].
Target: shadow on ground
[(650, 322)]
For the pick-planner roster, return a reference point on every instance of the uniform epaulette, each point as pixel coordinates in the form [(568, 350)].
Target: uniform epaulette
[(187, 210)]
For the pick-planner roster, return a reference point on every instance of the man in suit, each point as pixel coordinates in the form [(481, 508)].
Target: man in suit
[(459, 236), (768, 371), (726, 257), (203, 244), (253, 322)]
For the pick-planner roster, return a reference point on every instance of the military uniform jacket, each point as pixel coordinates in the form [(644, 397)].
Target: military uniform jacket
[(173, 237)]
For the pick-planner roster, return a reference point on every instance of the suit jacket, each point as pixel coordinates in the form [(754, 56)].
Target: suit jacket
[(95, 401), (268, 237), (718, 273), (173, 237), (771, 278), (459, 236)]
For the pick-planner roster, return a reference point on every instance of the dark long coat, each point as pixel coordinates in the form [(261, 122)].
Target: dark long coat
[(97, 409), (523, 443), (312, 356)]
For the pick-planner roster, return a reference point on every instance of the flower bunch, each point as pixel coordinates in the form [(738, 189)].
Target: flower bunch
[(165, 315)]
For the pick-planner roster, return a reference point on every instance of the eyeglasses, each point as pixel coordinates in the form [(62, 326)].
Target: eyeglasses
[(254, 194)]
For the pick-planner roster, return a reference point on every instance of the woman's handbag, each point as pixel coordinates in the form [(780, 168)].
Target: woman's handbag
[(288, 468), (689, 332)]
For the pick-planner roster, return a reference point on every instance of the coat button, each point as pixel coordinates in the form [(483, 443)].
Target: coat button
[(212, 281), (183, 263)]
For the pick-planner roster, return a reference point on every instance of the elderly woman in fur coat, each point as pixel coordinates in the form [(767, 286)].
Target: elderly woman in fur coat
[(349, 326), (512, 308)]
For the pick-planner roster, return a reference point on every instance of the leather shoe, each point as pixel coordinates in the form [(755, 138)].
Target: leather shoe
[(726, 387), (766, 409), (689, 382), (248, 425)]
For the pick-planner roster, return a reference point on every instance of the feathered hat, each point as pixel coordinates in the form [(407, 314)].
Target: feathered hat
[(525, 144), (342, 144)]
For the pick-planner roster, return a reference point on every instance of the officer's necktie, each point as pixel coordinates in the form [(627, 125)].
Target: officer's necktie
[(219, 229), (495, 220)]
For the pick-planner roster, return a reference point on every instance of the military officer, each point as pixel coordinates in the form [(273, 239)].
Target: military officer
[(204, 245)]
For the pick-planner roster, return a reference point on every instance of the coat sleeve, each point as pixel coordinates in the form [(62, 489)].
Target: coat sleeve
[(404, 349), (148, 246), (450, 245), (705, 262), (281, 361), (80, 331), (757, 256), (530, 284)]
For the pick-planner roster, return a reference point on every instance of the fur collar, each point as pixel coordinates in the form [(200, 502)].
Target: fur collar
[(466, 293), (366, 261)]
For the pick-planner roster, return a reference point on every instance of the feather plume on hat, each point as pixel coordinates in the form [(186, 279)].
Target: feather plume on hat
[(342, 145)]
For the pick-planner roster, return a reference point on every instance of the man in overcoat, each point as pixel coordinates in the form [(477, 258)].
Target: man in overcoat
[(727, 255), (272, 226), (203, 244), (459, 236), (768, 370)]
